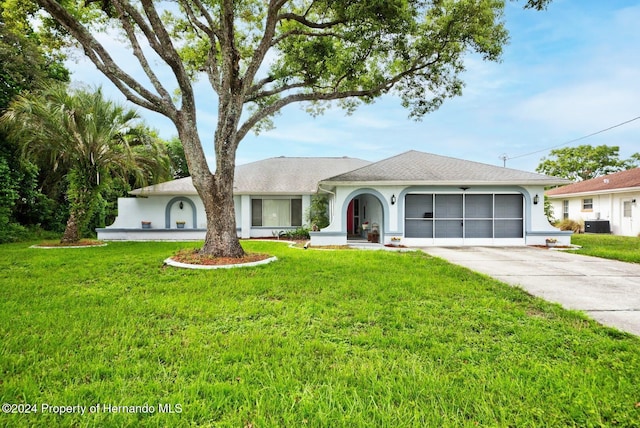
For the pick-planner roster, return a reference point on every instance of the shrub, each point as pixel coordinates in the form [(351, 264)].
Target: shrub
[(299, 234), (11, 232), (318, 211), (568, 224)]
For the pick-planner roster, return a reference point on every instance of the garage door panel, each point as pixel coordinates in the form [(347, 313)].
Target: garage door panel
[(478, 206), (508, 229), (448, 229), (418, 206), (478, 229), (418, 229), (448, 206), (508, 206)]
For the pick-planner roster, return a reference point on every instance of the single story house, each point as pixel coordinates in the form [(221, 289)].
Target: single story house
[(606, 204), (270, 196), (415, 199)]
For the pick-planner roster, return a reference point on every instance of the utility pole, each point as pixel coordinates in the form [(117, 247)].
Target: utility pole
[(504, 158)]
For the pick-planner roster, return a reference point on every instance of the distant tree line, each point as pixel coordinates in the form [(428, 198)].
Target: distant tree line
[(585, 162)]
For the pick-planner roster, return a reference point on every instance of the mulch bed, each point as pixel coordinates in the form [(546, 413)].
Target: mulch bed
[(81, 243), (193, 257), (564, 247)]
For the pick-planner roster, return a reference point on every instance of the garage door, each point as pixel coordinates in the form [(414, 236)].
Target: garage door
[(464, 216)]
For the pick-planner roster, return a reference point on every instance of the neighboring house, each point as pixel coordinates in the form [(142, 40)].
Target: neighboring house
[(613, 198), (414, 198)]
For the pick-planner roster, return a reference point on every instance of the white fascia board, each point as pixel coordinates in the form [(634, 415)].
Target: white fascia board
[(596, 192), (274, 193), (435, 183)]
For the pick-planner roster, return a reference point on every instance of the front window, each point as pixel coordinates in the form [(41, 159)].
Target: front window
[(565, 209), (276, 212), (587, 204)]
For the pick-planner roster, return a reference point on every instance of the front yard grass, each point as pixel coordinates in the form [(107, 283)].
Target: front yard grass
[(623, 248), (318, 339)]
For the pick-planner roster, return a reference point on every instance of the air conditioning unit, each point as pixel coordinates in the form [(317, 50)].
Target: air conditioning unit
[(597, 226)]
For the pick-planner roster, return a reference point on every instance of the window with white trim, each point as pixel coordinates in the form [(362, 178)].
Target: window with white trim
[(276, 212), (587, 204)]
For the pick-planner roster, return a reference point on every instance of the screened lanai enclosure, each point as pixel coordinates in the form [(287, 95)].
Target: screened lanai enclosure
[(492, 215)]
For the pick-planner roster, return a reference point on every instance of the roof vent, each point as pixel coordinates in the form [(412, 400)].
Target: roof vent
[(606, 181)]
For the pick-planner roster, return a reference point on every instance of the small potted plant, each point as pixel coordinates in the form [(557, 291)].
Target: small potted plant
[(551, 242), (180, 224), (146, 224), (395, 240)]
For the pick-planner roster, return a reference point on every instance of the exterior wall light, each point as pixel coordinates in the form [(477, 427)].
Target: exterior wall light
[(181, 205), (393, 199), (536, 199)]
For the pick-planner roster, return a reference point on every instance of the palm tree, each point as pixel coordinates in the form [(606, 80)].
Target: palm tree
[(89, 139)]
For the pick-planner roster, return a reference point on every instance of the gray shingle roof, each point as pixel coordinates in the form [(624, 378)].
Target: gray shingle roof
[(282, 175), (298, 176), (290, 175), (181, 186), (414, 167)]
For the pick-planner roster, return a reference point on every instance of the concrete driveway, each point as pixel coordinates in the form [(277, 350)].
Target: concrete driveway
[(607, 290)]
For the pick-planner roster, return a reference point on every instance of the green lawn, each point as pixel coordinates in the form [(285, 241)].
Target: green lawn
[(624, 248), (318, 339)]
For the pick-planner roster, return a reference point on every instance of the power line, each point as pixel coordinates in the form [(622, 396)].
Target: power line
[(504, 157)]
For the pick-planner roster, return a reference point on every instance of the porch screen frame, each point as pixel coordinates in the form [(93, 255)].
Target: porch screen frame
[(427, 215)]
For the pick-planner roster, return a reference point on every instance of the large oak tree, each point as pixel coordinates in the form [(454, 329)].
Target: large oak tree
[(260, 56)]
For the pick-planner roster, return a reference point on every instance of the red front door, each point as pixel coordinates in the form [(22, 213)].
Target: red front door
[(350, 230)]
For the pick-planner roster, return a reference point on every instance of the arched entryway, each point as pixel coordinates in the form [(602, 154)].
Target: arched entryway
[(181, 209), (364, 217)]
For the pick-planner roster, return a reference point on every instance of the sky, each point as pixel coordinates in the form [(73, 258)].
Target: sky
[(568, 72)]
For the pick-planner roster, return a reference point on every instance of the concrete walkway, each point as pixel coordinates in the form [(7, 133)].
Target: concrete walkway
[(607, 290)]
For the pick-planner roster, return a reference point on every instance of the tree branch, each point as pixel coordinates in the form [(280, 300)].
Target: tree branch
[(137, 51), (212, 69), (210, 29), (301, 97), (213, 33), (265, 43), (300, 32), (168, 53), (267, 93), (259, 84), (130, 87), (310, 24), (335, 94)]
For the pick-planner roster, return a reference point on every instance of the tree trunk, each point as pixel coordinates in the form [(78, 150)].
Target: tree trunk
[(222, 237), (215, 191), (71, 231), (82, 202)]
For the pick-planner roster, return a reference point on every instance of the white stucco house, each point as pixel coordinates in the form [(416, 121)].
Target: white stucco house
[(414, 198), (605, 204)]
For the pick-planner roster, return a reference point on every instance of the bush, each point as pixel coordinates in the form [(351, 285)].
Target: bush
[(297, 234), (318, 211), (11, 232), (568, 224), (14, 232)]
